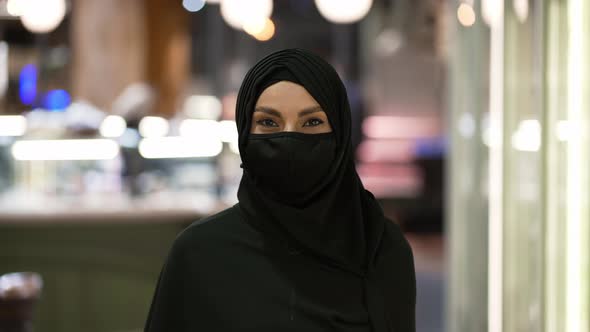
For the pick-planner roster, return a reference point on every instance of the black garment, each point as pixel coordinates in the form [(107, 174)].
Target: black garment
[(288, 165), (224, 275), (330, 220), (336, 226)]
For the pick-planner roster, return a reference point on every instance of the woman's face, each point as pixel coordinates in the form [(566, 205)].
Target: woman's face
[(287, 106)]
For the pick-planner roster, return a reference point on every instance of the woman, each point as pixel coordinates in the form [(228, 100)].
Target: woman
[(307, 248)]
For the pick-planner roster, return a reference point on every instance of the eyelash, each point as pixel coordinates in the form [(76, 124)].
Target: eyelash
[(265, 123), (319, 122)]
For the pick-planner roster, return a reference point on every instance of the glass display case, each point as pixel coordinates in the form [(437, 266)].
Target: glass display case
[(519, 218)]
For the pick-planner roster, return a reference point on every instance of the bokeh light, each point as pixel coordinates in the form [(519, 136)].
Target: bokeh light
[(202, 107), (228, 131), (14, 7), (70, 149), (57, 100), (199, 129), (521, 9), (528, 136), (42, 16), (193, 5), (238, 13), (153, 126), (12, 125), (262, 31), (343, 11), (466, 15), (27, 85), (113, 126), (179, 147)]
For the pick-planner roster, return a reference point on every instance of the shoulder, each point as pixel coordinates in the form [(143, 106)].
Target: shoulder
[(214, 222), (402, 275), (224, 232), (393, 239), (395, 233), (401, 257), (209, 227), (397, 241)]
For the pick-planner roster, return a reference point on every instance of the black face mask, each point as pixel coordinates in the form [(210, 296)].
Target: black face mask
[(288, 165)]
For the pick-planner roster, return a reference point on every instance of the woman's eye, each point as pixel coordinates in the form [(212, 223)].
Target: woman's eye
[(267, 123), (313, 123)]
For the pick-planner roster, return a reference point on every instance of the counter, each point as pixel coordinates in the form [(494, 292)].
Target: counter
[(99, 262)]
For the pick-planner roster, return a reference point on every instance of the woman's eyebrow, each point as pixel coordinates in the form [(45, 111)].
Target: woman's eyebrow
[(268, 110), (310, 110)]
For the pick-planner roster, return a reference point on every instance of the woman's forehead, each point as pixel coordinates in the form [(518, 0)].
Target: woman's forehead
[(285, 94)]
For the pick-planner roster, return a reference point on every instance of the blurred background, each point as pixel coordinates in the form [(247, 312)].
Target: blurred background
[(470, 124)]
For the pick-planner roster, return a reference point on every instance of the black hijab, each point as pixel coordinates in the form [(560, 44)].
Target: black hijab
[(337, 221)]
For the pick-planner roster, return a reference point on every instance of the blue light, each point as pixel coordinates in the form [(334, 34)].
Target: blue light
[(193, 5), (431, 147), (27, 84), (56, 100)]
